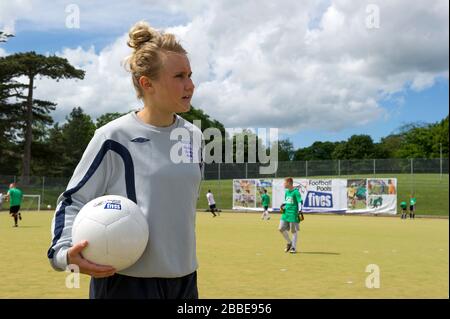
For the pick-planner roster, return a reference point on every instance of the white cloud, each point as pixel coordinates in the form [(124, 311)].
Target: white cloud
[(269, 69), (10, 11), (291, 64), (106, 87), (3, 52)]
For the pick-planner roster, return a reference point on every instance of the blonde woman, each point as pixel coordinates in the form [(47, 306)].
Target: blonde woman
[(131, 156)]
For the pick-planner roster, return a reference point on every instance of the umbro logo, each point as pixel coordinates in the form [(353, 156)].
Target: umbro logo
[(140, 140)]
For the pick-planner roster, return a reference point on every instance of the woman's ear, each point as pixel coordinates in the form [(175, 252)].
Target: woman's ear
[(146, 84)]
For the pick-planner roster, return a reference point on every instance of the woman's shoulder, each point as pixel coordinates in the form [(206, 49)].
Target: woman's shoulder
[(122, 122)]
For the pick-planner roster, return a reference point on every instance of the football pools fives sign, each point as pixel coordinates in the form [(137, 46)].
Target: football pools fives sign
[(363, 195)]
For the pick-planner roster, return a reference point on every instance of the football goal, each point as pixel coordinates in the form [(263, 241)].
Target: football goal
[(31, 202)]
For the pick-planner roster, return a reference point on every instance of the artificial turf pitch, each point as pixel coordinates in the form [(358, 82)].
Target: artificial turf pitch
[(241, 256)]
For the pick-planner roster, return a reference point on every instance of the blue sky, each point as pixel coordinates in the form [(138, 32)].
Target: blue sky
[(327, 91), (54, 40), (428, 106)]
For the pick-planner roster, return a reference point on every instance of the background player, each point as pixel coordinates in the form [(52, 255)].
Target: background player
[(403, 206), (14, 196), (265, 201), (290, 219), (211, 203), (412, 206)]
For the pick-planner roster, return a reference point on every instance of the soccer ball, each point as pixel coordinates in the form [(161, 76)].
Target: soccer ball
[(116, 231), (49, 206)]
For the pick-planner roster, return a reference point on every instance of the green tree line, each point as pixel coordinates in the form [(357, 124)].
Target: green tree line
[(415, 140)]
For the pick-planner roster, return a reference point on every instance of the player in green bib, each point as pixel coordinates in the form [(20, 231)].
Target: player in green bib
[(14, 196), (265, 201), (403, 206), (290, 219), (412, 207)]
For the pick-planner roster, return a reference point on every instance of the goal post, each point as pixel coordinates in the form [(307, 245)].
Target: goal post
[(31, 202)]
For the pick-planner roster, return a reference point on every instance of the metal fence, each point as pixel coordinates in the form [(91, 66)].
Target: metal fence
[(414, 175), (221, 171)]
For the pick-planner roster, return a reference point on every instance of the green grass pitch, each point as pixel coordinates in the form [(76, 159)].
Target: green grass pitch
[(241, 256)]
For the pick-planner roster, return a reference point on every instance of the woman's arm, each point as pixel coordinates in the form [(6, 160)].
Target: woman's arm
[(89, 181)]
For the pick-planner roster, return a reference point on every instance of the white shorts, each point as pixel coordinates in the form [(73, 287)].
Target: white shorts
[(293, 227)]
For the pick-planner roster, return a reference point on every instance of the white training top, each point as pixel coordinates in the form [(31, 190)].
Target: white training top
[(133, 159), (210, 198)]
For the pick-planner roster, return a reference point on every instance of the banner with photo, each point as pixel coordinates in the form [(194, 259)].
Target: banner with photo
[(359, 195), (356, 194), (244, 194), (372, 195), (319, 195), (382, 195)]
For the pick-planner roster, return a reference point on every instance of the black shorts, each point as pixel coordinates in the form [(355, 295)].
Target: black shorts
[(213, 206), (266, 207), (14, 209), (411, 208), (126, 287)]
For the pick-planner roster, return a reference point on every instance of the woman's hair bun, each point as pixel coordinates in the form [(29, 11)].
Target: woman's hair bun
[(140, 34)]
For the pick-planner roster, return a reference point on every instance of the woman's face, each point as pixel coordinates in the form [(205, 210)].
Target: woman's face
[(174, 88)]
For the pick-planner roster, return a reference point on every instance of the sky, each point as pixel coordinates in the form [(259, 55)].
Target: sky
[(316, 70)]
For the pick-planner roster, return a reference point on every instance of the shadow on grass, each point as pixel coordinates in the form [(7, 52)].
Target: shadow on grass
[(27, 226), (318, 253)]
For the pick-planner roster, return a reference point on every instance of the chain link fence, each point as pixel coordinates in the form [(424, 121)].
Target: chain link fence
[(426, 178), (220, 171)]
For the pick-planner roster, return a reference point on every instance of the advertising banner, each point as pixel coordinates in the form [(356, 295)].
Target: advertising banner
[(319, 195), (359, 195)]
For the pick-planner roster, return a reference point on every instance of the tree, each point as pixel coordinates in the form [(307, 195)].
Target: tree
[(285, 150), (50, 158), (9, 120), (205, 120), (441, 138), (340, 151), (422, 140), (241, 146), (317, 151), (76, 134), (389, 146), (107, 117), (356, 147), (205, 123), (31, 65)]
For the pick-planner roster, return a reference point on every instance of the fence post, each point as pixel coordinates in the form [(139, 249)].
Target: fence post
[(374, 169), (306, 168), (43, 189), (339, 167)]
